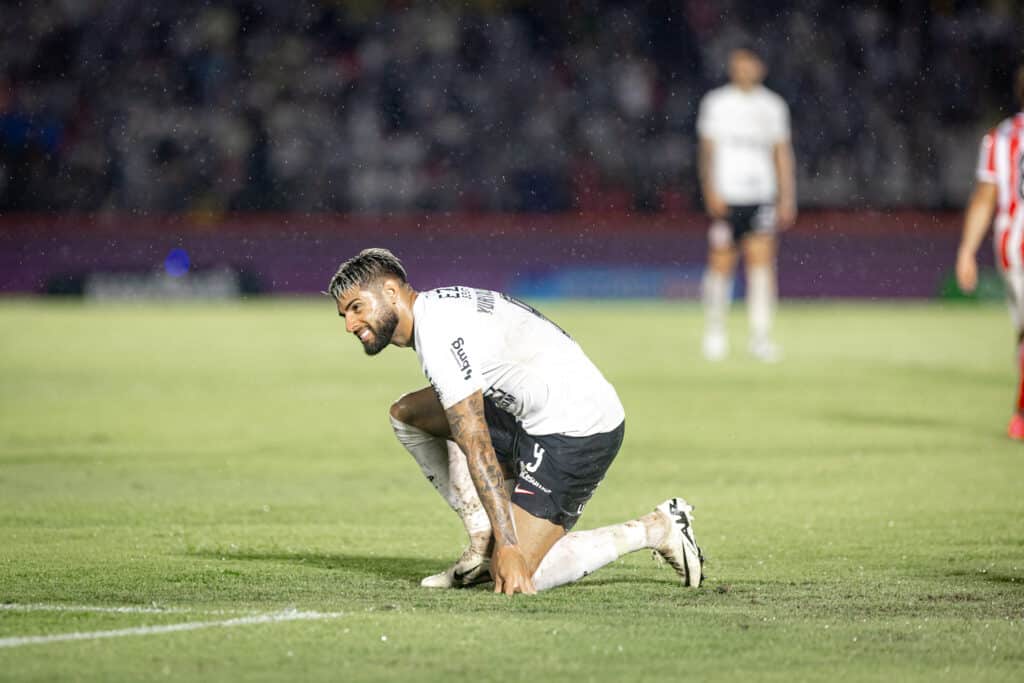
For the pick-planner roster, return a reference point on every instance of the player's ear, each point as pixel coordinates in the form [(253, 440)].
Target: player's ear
[(390, 290)]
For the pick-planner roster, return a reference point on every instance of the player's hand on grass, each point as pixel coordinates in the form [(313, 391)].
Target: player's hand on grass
[(508, 568), (966, 271)]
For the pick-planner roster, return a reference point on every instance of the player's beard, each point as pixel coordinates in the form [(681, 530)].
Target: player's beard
[(383, 329)]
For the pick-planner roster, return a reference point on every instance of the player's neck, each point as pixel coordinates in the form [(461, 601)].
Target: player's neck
[(405, 333)]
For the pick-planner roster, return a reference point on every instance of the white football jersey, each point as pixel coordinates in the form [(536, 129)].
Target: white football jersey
[(744, 127), (469, 339)]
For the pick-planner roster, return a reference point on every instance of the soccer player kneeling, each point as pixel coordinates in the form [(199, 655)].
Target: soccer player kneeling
[(516, 430)]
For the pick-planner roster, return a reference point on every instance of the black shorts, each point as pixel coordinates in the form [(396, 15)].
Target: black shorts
[(555, 475), (745, 220)]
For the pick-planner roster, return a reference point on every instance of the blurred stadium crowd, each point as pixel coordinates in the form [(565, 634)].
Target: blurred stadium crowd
[(570, 104)]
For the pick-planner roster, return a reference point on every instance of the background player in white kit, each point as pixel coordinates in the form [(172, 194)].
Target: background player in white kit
[(536, 421), (746, 172), (1000, 183)]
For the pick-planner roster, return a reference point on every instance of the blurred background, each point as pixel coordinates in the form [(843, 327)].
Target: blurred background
[(545, 148)]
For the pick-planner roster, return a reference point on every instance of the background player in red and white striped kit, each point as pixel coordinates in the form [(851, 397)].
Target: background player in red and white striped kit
[(1000, 184)]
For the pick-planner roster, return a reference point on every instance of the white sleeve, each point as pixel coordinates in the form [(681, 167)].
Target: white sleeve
[(450, 353), (986, 170), (782, 130), (707, 127)]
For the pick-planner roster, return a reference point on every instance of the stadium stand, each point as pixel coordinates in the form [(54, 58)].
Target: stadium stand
[(499, 106)]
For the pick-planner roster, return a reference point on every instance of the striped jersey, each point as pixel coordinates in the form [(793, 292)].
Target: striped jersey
[(1001, 162)]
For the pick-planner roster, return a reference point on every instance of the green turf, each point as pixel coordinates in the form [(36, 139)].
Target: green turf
[(859, 504)]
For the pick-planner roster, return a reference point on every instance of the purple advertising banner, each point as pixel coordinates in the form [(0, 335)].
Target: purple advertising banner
[(827, 254)]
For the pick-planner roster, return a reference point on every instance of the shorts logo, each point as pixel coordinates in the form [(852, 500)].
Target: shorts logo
[(458, 349), (526, 470), (520, 489), (529, 479)]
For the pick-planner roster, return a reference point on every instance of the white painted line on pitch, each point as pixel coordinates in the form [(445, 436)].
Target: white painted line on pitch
[(129, 609), (274, 618)]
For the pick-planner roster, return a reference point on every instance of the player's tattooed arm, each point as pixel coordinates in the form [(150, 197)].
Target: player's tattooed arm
[(469, 430)]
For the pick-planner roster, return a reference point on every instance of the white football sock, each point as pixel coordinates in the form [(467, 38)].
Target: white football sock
[(462, 488), (445, 467), (716, 292), (581, 553), (760, 301)]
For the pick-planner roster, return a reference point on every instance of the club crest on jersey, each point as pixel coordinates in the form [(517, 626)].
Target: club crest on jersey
[(458, 349)]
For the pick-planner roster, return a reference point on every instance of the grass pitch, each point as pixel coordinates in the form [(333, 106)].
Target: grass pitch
[(859, 505)]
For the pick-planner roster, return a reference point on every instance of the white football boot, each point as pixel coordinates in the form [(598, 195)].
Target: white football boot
[(469, 570), (680, 548)]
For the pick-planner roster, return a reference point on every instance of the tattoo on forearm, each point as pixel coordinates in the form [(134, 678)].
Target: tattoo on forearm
[(469, 430)]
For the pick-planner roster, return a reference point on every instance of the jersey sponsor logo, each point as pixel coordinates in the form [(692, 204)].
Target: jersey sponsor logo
[(458, 349), (500, 398), (484, 301)]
